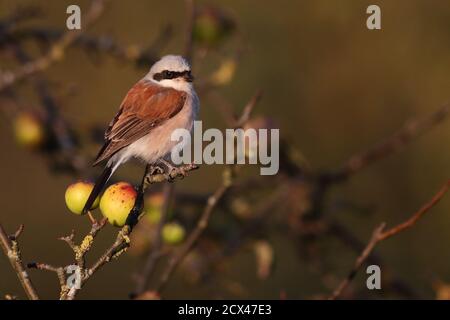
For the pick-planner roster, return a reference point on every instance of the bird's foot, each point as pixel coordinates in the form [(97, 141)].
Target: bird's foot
[(156, 170), (171, 171), (181, 171)]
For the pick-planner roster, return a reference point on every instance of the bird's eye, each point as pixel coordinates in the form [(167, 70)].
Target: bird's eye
[(168, 74)]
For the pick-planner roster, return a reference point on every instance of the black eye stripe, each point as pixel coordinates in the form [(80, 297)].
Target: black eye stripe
[(166, 74)]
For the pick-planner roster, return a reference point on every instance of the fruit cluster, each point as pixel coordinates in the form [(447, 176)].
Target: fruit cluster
[(116, 203)]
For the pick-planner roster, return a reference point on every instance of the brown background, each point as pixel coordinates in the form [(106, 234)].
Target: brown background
[(335, 88)]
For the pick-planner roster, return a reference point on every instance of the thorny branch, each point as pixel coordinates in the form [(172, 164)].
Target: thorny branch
[(379, 234)]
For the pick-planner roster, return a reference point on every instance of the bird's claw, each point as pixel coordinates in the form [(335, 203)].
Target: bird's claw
[(156, 170), (182, 172)]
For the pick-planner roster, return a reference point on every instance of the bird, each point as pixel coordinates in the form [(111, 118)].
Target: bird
[(162, 101)]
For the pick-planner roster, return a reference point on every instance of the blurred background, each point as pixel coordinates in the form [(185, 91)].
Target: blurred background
[(333, 87)]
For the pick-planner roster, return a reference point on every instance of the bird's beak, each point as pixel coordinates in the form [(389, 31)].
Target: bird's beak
[(188, 77)]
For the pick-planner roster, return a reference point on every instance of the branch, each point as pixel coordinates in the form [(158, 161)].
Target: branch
[(156, 174), (11, 249), (122, 241), (419, 214), (392, 282), (55, 53), (60, 273), (19, 15), (58, 128), (379, 235), (119, 246), (410, 131), (141, 56), (359, 261)]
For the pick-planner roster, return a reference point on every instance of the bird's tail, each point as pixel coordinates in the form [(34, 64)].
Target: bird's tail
[(99, 186)]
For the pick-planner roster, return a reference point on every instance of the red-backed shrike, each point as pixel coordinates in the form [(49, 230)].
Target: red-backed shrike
[(163, 101)]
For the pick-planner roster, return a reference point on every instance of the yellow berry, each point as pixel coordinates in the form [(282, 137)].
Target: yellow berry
[(117, 202), (153, 207), (211, 25), (77, 195), (29, 130), (173, 233), (224, 74)]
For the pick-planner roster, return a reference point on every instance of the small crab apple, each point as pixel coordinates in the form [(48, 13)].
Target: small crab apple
[(173, 233), (153, 207), (117, 202), (77, 195), (211, 26), (29, 130)]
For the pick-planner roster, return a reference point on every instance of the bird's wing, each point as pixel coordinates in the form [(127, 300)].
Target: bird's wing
[(145, 107)]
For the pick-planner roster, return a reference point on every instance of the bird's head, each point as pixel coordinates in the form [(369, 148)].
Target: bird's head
[(172, 71)]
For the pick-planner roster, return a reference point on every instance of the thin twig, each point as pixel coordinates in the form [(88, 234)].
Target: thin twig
[(359, 261), (11, 249), (379, 235), (60, 273), (419, 214), (410, 131), (401, 138)]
